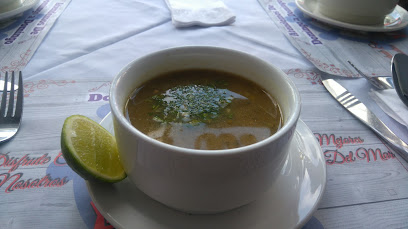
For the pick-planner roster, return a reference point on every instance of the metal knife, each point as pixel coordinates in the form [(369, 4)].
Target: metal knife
[(359, 110)]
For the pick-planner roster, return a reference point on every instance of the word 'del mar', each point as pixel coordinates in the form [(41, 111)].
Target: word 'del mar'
[(335, 157)]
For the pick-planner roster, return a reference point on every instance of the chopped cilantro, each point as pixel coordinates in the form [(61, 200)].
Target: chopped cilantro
[(191, 104)]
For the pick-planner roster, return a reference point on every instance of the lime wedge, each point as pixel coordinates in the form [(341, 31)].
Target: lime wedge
[(90, 150)]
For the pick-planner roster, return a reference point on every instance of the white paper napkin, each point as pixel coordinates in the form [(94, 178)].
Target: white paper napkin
[(391, 104), (186, 13)]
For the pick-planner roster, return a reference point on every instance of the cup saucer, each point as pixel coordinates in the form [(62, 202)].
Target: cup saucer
[(289, 204), (396, 20), (24, 6)]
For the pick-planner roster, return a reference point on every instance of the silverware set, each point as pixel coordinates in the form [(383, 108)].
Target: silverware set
[(11, 106), (399, 82)]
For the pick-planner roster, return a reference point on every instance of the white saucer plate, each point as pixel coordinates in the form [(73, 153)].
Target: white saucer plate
[(397, 20), (25, 5), (289, 204)]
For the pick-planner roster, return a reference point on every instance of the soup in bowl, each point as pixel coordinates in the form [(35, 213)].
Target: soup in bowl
[(203, 129), (203, 109)]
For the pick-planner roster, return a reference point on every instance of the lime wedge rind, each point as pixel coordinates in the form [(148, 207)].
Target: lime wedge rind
[(76, 156)]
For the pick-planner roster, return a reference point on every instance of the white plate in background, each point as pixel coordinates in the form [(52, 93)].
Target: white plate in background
[(25, 5), (396, 20)]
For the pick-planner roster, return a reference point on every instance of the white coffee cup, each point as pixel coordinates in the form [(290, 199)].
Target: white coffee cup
[(203, 181), (7, 5), (362, 12)]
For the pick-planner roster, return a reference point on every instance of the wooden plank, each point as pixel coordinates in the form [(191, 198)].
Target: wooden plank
[(385, 214)]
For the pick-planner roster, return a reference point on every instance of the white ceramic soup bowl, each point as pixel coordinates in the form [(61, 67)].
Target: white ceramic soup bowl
[(203, 181), (363, 12)]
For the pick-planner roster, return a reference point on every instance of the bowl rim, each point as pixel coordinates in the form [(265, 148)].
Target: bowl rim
[(118, 113)]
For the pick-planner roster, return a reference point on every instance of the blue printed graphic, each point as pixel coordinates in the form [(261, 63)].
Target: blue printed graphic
[(103, 110), (82, 198), (313, 223)]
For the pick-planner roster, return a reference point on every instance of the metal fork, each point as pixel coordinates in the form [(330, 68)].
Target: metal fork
[(380, 82), (10, 121)]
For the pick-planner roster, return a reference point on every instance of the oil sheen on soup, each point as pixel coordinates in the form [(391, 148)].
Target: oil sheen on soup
[(203, 109)]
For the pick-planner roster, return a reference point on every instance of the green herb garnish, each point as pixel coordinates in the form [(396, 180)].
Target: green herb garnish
[(191, 104)]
